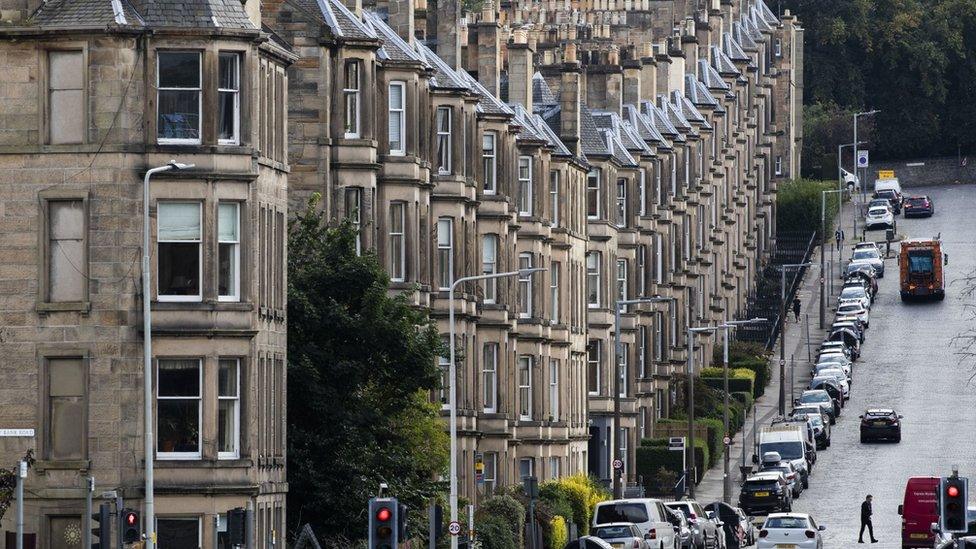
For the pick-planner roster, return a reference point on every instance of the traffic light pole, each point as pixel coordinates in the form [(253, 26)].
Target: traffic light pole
[(21, 473), (90, 481)]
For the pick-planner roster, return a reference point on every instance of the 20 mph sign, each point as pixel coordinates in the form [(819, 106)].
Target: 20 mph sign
[(454, 528)]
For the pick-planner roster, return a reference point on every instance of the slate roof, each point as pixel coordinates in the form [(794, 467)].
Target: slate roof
[(445, 77), (591, 138), (710, 77), (554, 141), (644, 126), (86, 13), (732, 48), (526, 123), (698, 93), (622, 130), (722, 63), (337, 16), (659, 119), (767, 13), (193, 13), (743, 36), (394, 48), (673, 113), (541, 92), (688, 109), (757, 20), (617, 149), (488, 103)]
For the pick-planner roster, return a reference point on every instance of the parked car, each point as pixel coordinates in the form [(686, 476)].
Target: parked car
[(682, 529), (785, 467), (893, 196), (847, 335), (793, 530), (880, 423), (871, 257), (832, 347), (832, 386), (821, 426), (880, 202), (857, 310), (825, 366), (867, 277), (879, 217), (647, 513), (765, 492), (625, 535), (735, 535), (704, 532), (819, 397), (918, 206), (747, 526), (856, 294), (839, 376), (855, 326), (588, 542), (834, 360), (861, 269)]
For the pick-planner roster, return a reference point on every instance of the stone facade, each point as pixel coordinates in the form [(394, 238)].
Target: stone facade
[(82, 117)]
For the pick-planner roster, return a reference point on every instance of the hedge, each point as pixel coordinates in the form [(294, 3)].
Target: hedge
[(649, 459), (495, 533), (582, 493), (735, 383), (763, 373), (508, 510), (709, 439), (745, 398)]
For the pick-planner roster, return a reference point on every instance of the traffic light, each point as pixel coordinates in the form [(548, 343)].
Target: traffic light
[(235, 526), (401, 521), (131, 529), (954, 495), (102, 527), (383, 523)]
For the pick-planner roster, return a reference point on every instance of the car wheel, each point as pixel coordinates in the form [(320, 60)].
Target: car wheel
[(863, 439), (897, 439), (833, 420), (828, 442)]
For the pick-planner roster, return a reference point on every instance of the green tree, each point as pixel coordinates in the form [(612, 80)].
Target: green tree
[(361, 365)]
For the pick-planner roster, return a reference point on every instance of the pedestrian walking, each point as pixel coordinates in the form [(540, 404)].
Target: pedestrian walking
[(796, 308), (866, 520)]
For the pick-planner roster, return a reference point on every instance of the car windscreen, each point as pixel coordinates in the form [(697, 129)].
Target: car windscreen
[(878, 414), (816, 419), (621, 512), (785, 522), (811, 398), (852, 293), (866, 253), (850, 308), (611, 532), (786, 449), (880, 210), (758, 485), (683, 507), (920, 261)]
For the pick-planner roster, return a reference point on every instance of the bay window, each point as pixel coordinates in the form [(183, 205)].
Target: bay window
[(525, 387), (489, 161), (489, 371), (525, 286), (397, 118), (179, 98), (593, 194), (228, 251), (489, 265), (445, 252), (229, 99), (351, 98), (443, 122), (398, 251), (593, 279), (178, 408), (525, 185), (593, 366), (228, 408), (179, 251), (554, 197), (621, 279)]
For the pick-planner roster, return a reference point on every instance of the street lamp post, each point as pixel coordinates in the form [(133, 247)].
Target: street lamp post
[(150, 510), (452, 373), (617, 354), (856, 115), (782, 332), (840, 186), (823, 249)]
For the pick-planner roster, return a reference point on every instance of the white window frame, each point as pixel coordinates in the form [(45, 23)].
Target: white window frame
[(623, 363), (443, 139), (489, 376), (554, 467), (554, 197), (525, 185), (236, 254), (622, 441), (779, 165), (778, 47), (525, 387), (398, 240), (596, 346), (236, 453), (199, 242), (642, 191), (444, 366), (490, 184), (160, 455), (449, 248), (402, 112), (594, 277), (354, 93), (236, 140), (621, 202), (355, 215), (641, 270), (525, 286), (489, 265), (642, 351), (198, 89), (490, 476), (593, 184), (621, 279), (554, 389), (659, 404), (554, 276)]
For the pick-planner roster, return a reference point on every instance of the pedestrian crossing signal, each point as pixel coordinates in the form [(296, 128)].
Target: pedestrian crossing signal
[(953, 498)]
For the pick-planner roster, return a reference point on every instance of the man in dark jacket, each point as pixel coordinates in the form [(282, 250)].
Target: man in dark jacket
[(866, 520)]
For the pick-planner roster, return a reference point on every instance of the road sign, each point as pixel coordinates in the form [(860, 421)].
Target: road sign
[(862, 159), (16, 432), (676, 444), (886, 174), (454, 528), (618, 465)]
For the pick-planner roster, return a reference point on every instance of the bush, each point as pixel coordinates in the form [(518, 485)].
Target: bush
[(798, 205), (735, 383), (740, 351), (558, 532), (760, 366), (651, 459), (745, 399), (654, 442), (582, 494), (509, 511), (495, 533)]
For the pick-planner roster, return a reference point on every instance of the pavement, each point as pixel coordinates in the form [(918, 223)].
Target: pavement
[(911, 362)]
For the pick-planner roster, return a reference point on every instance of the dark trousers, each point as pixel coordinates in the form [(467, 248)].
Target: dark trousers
[(866, 524)]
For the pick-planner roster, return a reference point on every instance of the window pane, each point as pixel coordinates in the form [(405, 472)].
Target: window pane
[(179, 269), (179, 70), (178, 533), (396, 96), (227, 222), (178, 423), (179, 221), (179, 114), (226, 423), (228, 71), (227, 378), (227, 115), (179, 378)]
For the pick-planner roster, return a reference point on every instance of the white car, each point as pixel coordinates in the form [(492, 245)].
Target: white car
[(854, 309), (867, 244), (854, 294), (793, 530), (867, 256), (647, 513), (879, 216)]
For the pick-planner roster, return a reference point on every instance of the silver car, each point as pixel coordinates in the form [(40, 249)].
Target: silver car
[(854, 309), (705, 533), (622, 534), (869, 256)]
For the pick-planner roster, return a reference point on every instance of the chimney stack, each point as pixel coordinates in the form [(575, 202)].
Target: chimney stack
[(632, 82), (488, 49), (400, 17), (448, 31), (569, 100), (520, 70)]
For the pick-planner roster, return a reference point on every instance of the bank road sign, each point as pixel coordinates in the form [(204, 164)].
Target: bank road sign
[(862, 159)]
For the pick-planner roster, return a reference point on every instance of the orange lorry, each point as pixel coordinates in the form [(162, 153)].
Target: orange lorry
[(920, 264)]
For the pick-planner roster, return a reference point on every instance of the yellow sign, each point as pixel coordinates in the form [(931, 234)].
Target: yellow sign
[(886, 174)]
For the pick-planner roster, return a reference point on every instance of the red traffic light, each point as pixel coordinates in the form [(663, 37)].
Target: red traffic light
[(130, 519), (952, 491), (383, 514)]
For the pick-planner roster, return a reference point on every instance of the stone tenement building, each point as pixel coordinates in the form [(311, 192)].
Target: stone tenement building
[(92, 94), (627, 148)]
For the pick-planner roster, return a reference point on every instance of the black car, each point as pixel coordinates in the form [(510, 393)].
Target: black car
[(880, 424), (765, 493), (893, 197), (919, 206)]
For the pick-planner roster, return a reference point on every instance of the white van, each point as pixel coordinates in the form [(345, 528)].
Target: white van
[(887, 185), (790, 441), (647, 513)]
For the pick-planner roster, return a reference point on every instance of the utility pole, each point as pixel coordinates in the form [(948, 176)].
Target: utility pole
[(782, 332)]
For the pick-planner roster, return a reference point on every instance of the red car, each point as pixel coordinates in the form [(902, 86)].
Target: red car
[(918, 206), (918, 512)]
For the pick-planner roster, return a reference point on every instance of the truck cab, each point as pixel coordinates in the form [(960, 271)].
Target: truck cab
[(920, 265)]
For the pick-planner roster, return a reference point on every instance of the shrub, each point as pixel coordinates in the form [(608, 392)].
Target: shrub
[(651, 459), (740, 351), (745, 399), (760, 366), (558, 532), (798, 205), (495, 533), (654, 442), (509, 510), (582, 494), (735, 383)]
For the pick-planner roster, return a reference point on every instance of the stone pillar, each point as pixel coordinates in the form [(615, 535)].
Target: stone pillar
[(648, 74), (400, 19), (632, 82), (604, 86), (448, 29), (520, 71), (569, 100), (663, 71), (489, 50), (689, 45)]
